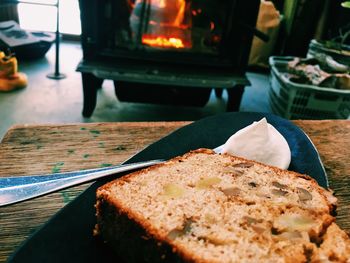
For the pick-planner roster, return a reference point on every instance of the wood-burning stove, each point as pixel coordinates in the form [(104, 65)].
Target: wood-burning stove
[(166, 51)]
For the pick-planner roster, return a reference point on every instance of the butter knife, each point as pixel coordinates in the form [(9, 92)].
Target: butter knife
[(15, 189)]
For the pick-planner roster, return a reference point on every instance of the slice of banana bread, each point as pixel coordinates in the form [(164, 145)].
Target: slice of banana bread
[(207, 207)]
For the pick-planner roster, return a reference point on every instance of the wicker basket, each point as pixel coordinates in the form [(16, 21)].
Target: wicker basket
[(298, 101)]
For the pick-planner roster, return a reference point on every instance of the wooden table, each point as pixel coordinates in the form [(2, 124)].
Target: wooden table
[(34, 149)]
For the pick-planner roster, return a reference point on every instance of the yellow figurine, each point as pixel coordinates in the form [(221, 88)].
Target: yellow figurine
[(10, 78)]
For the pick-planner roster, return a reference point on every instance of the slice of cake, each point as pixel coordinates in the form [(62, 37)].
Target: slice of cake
[(207, 207)]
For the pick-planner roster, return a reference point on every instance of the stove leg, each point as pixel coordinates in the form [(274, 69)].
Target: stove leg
[(234, 97), (90, 86), (218, 92)]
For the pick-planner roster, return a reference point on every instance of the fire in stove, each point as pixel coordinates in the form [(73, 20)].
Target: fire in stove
[(162, 41), (167, 26), (164, 23)]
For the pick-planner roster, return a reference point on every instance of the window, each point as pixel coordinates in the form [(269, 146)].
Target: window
[(41, 16)]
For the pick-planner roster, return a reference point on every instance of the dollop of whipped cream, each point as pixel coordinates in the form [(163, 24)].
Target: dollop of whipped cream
[(260, 142)]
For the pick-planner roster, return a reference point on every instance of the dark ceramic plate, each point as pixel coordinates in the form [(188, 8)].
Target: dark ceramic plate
[(67, 236)]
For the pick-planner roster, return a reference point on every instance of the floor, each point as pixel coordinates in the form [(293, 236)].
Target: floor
[(60, 101)]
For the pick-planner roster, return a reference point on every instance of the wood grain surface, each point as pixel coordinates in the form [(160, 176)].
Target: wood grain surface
[(39, 149)]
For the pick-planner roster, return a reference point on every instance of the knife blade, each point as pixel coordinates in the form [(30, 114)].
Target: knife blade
[(15, 189)]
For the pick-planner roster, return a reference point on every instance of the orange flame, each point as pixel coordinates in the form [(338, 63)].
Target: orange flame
[(162, 41), (168, 26)]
